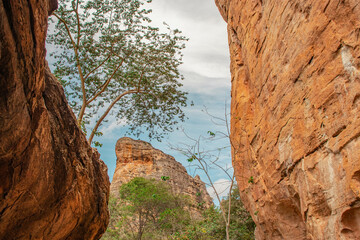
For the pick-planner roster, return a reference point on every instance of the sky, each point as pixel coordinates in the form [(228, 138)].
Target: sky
[(207, 80)]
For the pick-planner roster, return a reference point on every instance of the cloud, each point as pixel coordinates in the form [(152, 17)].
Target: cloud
[(206, 65), (207, 52), (199, 10), (112, 126), (222, 188), (201, 86)]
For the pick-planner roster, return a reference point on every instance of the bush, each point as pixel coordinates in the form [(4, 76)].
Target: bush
[(146, 209)]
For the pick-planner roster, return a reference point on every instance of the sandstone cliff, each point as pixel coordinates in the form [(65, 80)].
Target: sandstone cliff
[(137, 158), (52, 183), (295, 115)]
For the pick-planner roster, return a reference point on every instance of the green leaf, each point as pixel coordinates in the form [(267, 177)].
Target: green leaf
[(211, 134), (165, 178)]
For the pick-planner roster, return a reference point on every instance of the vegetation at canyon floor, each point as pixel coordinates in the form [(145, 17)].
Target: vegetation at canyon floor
[(147, 209), (111, 60)]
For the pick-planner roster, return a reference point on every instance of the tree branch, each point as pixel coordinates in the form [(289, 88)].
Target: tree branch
[(213, 186), (140, 78), (75, 46), (102, 63), (229, 207), (108, 110), (67, 29), (76, 10), (104, 86)]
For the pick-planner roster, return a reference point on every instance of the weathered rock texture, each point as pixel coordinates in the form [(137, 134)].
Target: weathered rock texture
[(295, 115), (136, 158), (52, 183)]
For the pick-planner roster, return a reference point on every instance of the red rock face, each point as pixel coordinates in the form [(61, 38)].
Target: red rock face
[(52, 183), (295, 115), (136, 158)]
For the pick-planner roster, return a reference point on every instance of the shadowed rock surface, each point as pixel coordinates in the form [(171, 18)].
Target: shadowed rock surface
[(136, 158), (295, 115), (52, 183)]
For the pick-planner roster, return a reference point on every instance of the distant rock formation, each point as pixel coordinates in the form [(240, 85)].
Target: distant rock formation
[(136, 158), (295, 119), (52, 183)]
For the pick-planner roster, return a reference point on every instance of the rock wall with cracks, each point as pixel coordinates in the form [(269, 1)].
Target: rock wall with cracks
[(52, 183), (295, 121)]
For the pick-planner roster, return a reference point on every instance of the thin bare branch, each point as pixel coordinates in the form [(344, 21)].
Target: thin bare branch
[(229, 206)]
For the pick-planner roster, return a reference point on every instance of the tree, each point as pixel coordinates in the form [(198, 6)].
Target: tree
[(111, 60), (242, 225), (205, 160), (212, 226), (146, 209)]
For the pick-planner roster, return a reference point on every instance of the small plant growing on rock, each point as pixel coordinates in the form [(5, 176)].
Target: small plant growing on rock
[(165, 178)]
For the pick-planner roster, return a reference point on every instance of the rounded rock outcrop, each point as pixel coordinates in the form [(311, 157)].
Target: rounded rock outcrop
[(136, 158)]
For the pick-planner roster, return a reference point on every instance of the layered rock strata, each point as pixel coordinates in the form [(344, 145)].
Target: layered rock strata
[(52, 183), (136, 158), (295, 121)]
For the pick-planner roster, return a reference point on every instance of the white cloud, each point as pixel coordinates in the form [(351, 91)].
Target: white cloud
[(222, 188), (195, 83), (207, 51), (111, 127)]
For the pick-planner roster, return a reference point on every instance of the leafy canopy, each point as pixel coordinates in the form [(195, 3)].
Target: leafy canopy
[(146, 209), (111, 60)]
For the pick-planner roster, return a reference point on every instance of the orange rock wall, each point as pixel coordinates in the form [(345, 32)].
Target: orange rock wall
[(295, 120), (52, 183)]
